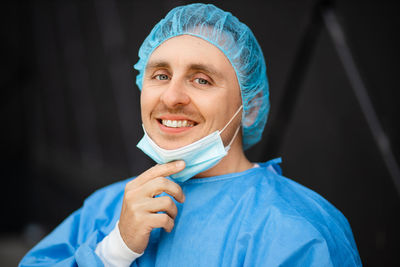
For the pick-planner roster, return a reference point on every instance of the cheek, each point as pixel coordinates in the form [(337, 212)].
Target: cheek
[(147, 102), (213, 107)]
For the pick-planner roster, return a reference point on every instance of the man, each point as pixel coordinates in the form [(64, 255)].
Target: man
[(204, 100)]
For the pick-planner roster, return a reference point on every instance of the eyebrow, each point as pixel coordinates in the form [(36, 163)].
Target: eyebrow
[(156, 65), (208, 69)]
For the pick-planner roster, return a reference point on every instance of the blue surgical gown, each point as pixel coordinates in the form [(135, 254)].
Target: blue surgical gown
[(252, 218)]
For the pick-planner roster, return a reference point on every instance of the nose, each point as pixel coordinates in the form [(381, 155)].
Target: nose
[(175, 94)]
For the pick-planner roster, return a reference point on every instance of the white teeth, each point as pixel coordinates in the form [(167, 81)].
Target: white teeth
[(177, 124)]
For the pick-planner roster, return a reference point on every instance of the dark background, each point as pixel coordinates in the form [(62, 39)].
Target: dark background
[(70, 113)]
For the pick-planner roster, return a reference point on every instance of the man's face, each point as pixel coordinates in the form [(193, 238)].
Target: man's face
[(189, 90)]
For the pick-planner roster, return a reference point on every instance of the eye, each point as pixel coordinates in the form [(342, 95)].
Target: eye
[(161, 77), (201, 81)]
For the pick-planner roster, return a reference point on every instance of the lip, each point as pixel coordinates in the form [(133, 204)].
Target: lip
[(171, 130)]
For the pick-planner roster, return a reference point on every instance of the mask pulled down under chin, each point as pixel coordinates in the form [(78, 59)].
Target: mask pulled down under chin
[(198, 156)]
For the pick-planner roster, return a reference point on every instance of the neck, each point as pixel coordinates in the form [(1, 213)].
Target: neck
[(235, 161)]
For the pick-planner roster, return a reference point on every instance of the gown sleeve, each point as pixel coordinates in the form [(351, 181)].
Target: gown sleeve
[(63, 248), (74, 241)]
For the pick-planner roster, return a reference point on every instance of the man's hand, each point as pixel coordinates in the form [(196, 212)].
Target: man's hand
[(139, 208)]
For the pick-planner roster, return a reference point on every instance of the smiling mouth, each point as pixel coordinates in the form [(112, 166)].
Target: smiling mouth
[(177, 123)]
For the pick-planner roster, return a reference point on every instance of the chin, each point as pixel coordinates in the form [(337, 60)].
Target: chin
[(172, 145)]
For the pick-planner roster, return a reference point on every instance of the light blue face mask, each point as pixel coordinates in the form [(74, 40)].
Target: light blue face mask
[(198, 156)]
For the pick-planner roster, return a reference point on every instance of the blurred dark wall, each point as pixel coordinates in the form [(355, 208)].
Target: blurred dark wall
[(70, 111)]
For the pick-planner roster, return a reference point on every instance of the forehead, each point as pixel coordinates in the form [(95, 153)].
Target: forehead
[(188, 50)]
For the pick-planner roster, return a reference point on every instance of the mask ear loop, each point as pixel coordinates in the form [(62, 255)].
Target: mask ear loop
[(236, 132), (233, 138), (237, 112)]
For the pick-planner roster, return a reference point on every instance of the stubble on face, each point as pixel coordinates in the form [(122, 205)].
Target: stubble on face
[(210, 107)]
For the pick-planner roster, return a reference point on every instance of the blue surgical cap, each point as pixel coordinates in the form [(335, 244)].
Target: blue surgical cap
[(239, 45)]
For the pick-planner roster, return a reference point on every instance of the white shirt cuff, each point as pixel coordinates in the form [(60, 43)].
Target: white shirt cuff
[(113, 251)]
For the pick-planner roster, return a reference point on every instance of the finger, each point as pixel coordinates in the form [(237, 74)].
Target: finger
[(164, 203), (159, 185), (160, 170), (161, 220)]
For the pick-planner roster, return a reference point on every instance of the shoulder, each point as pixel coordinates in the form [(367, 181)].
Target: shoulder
[(305, 217), (295, 199)]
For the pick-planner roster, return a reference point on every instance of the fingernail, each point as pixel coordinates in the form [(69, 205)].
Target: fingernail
[(180, 164)]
